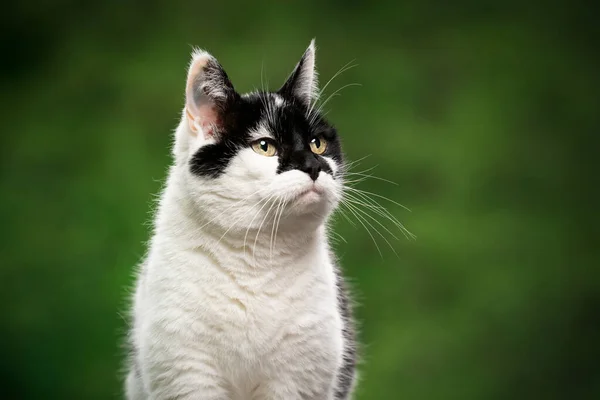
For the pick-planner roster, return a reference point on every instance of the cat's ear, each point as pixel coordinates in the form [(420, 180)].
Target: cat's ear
[(302, 82), (209, 95)]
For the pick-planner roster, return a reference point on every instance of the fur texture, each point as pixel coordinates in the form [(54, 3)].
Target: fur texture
[(240, 296)]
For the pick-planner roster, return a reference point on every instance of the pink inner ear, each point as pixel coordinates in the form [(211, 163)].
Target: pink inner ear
[(200, 116), (204, 117)]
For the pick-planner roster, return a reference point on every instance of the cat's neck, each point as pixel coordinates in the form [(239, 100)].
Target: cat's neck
[(180, 223)]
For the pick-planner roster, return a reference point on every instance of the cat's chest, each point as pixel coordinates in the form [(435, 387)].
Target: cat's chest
[(264, 296), (253, 312)]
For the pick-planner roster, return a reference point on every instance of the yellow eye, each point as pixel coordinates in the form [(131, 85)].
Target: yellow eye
[(264, 147), (318, 145)]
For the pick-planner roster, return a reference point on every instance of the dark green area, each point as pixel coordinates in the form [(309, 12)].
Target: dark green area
[(486, 114)]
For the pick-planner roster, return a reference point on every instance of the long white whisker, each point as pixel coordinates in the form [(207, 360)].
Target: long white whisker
[(266, 201), (352, 182), (367, 176), (348, 166), (376, 208), (332, 95), (378, 195), (357, 204), (345, 68), (258, 232), (373, 227), (367, 201), (360, 219), (351, 164), (364, 170), (341, 212), (271, 243), (381, 210)]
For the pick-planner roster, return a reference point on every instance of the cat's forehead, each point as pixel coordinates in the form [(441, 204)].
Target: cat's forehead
[(271, 97), (276, 115), (266, 101)]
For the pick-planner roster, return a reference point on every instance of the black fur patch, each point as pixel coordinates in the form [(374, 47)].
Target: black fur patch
[(240, 117), (211, 160), (289, 123)]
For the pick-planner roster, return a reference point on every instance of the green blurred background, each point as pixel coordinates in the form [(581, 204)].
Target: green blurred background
[(485, 113)]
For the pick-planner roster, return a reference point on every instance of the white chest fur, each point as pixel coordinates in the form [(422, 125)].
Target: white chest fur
[(208, 320)]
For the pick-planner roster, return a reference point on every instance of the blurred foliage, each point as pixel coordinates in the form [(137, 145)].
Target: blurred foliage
[(486, 114)]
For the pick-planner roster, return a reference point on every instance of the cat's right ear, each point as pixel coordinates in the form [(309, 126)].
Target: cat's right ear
[(209, 95)]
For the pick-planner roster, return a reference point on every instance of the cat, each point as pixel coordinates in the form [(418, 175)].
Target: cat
[(240, 295)]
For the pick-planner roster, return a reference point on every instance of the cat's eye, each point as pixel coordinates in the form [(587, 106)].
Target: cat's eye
[(318, 145), (264, 147)]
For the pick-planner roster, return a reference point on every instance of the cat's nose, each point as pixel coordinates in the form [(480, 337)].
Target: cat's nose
[(311, 166)]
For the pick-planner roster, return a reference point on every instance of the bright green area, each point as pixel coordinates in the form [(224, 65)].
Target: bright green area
[(486, 114)]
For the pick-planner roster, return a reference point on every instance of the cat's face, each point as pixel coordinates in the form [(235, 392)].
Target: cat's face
[(259, 159)]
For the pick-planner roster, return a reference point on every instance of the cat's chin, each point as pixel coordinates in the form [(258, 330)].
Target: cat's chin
[(309, 196), (310, 205)]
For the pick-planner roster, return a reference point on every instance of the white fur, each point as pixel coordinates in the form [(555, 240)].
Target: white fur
[(230, 304), (278, 100)]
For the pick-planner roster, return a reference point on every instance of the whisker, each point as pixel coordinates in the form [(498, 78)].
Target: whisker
[(273, 231), (345, 68), (378, 195), (259, 228), (336, 93), (354, 181), (351, 164), (357, 210), (332, 95), (375, 205), (384, 212), (366, 176), (348, 167), (368, 169), (285, 202), (358, 218), (341, 212), (266, 201), (356, 204), (337, 235)]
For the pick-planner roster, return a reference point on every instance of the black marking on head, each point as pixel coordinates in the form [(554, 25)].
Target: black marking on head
[(287, 122), (241, 116), (211, 160), (293, 131)]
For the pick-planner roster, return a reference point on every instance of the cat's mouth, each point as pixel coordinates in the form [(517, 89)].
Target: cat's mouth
[(310, 194)]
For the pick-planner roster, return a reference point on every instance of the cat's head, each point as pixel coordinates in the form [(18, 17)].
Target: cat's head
[(252, 159)]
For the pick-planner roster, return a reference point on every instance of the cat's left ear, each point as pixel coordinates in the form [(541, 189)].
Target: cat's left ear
[(302, 82), (209, 95)]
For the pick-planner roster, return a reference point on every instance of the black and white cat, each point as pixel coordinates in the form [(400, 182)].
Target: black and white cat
[(240, 296)]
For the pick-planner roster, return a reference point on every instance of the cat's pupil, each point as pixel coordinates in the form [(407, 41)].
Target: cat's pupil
[(264, 146), (317, 142)]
